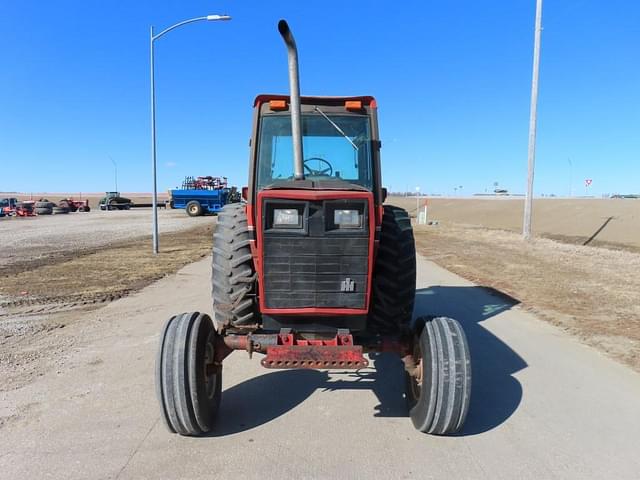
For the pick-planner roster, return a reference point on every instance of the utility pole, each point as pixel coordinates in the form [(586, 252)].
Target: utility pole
[(528, 201), (570, 178), (115, 166)]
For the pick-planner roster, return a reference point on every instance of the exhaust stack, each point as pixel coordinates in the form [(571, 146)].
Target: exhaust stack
[(294, 86)]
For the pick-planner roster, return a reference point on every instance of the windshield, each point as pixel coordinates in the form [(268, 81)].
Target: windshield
[(329, 152)]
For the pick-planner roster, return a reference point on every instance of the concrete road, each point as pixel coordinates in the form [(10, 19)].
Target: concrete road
[(543, 406)]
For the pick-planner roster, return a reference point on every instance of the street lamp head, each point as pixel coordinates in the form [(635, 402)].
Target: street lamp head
[(218, 17)]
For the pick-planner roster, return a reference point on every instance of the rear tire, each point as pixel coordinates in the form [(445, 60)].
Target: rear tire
[(194, 209), (439, 391), (188, 381), (44, 204), (233, 275), (394, 274)]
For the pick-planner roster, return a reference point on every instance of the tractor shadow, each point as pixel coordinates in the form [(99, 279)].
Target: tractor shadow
[(495, 394), (262, 399)]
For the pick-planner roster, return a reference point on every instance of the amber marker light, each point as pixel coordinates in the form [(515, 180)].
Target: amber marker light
[(278, 104), (353, 105)]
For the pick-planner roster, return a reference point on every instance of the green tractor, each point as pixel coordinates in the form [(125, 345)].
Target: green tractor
[(113, 201)]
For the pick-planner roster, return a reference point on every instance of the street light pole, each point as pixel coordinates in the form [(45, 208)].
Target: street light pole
[(528, 201), (153, 38), (154, 200)]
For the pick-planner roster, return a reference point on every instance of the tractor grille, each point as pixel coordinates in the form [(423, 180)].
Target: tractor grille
[(315, 272), (315, 268)]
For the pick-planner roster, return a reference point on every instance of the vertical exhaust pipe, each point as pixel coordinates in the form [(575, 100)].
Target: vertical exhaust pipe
[(294, 86)]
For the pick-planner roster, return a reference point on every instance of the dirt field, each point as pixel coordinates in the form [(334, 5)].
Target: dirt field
[(98, 258), (581, 275), (612, 223), (594, 293), (33, 240)]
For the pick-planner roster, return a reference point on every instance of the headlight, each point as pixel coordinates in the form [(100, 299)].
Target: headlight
[(347, 218), (287, 217)]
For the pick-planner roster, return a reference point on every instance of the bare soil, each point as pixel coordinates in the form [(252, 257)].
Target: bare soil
[(611, 223), (50, 293), (594, 293), (37, 240)]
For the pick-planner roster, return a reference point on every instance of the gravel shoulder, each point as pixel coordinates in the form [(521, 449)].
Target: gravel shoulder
[(45, 239)]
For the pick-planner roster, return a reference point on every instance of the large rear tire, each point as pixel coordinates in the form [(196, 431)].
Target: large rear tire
[(188, 380), (44, 204), (394, 274), (233, 275), (439, 387), (59, 210)]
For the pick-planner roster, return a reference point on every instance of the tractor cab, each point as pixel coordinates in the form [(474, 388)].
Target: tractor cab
[(339, 140), (314, 233)]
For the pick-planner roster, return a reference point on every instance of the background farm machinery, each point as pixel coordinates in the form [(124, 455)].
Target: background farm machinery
[(203, 195), (28, 208)]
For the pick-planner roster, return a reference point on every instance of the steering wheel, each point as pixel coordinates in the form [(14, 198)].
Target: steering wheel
[(328, 171)]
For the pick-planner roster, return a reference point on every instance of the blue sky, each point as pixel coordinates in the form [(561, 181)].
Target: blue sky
[(452, 80)]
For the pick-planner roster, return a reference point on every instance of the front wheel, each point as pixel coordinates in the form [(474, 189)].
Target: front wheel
[(439, 378), (188, 377)]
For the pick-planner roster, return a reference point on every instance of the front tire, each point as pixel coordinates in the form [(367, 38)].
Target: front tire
[(439, 387), (188, 379)]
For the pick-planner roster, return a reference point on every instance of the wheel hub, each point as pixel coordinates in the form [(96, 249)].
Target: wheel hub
[(209, 370), (414, 367)]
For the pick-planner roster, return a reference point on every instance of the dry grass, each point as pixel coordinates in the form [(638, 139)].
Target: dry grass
[(592, 292), (614, 223), (103, 273)]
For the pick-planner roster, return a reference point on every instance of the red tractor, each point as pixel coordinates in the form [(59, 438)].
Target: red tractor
[(12, 207), (75, 205), (313, 271)]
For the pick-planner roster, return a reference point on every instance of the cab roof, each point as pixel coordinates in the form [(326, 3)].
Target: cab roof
[(366, 100)]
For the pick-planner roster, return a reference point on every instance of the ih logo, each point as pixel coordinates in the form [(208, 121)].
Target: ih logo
[(348, 285)]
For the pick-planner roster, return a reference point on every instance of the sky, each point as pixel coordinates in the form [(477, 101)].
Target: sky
[(452, 81)]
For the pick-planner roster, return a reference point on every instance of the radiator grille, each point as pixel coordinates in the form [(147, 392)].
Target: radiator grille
[(304, 271)]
